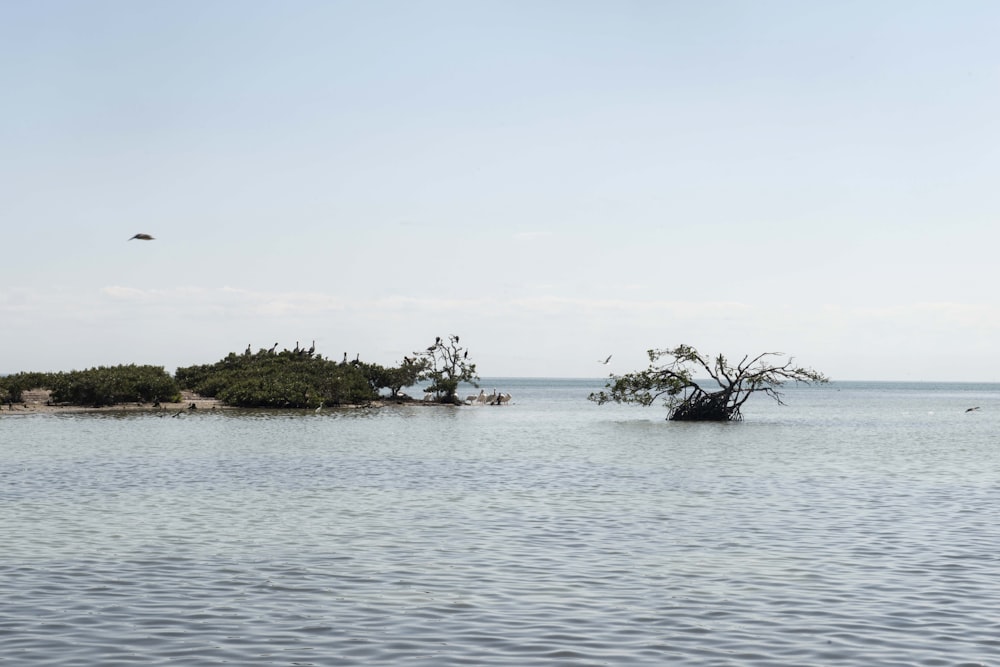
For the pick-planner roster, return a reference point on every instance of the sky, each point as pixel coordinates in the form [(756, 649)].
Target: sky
[(554, 181)]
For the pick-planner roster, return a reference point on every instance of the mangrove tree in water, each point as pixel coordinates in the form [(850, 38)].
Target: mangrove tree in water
[(671, 375), (446, 364)]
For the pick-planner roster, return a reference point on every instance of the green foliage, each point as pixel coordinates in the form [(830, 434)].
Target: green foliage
[(12, 387), (104, 385), (394, 379), (446, 364), (268, 379), (296, 379), (687, 400)]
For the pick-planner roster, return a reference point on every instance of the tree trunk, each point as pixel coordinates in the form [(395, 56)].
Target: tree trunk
[(705, 407)]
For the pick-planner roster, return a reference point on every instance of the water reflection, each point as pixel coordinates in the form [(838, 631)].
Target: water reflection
[(549, 531)]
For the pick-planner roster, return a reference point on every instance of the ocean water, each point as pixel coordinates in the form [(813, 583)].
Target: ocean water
[(856, 525)]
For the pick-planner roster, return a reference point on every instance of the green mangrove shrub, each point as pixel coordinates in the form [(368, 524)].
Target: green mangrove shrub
[(12, 387), (109, 385), (266, 379)]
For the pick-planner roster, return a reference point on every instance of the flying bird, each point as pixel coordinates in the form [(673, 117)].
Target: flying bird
[(972, 409), (606, 361), (142, 237)]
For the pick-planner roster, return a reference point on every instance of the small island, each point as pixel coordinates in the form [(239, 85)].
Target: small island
[(299, 378)]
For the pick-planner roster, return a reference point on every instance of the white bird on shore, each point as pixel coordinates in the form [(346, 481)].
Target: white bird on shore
[(320, 408)]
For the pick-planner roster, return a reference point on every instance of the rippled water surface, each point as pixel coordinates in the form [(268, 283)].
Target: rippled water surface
[(854, 526)]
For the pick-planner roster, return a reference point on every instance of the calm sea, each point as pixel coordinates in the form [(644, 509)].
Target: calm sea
[(857, 525)]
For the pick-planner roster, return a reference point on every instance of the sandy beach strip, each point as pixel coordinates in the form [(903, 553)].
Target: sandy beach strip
[(39, 401)]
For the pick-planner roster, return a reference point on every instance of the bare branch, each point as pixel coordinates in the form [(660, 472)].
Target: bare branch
[(686, 400)]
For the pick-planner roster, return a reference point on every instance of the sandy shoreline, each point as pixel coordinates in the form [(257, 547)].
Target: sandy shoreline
[(38, 401)]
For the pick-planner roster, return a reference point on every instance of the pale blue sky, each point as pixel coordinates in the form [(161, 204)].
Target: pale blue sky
[(553, 181)]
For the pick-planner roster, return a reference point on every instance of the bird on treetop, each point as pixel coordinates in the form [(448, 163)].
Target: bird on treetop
[(142, 237)]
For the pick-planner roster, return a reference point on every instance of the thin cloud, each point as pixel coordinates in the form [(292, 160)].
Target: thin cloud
[(230, 299), (947, 315), (126, 293), (531, 236)]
